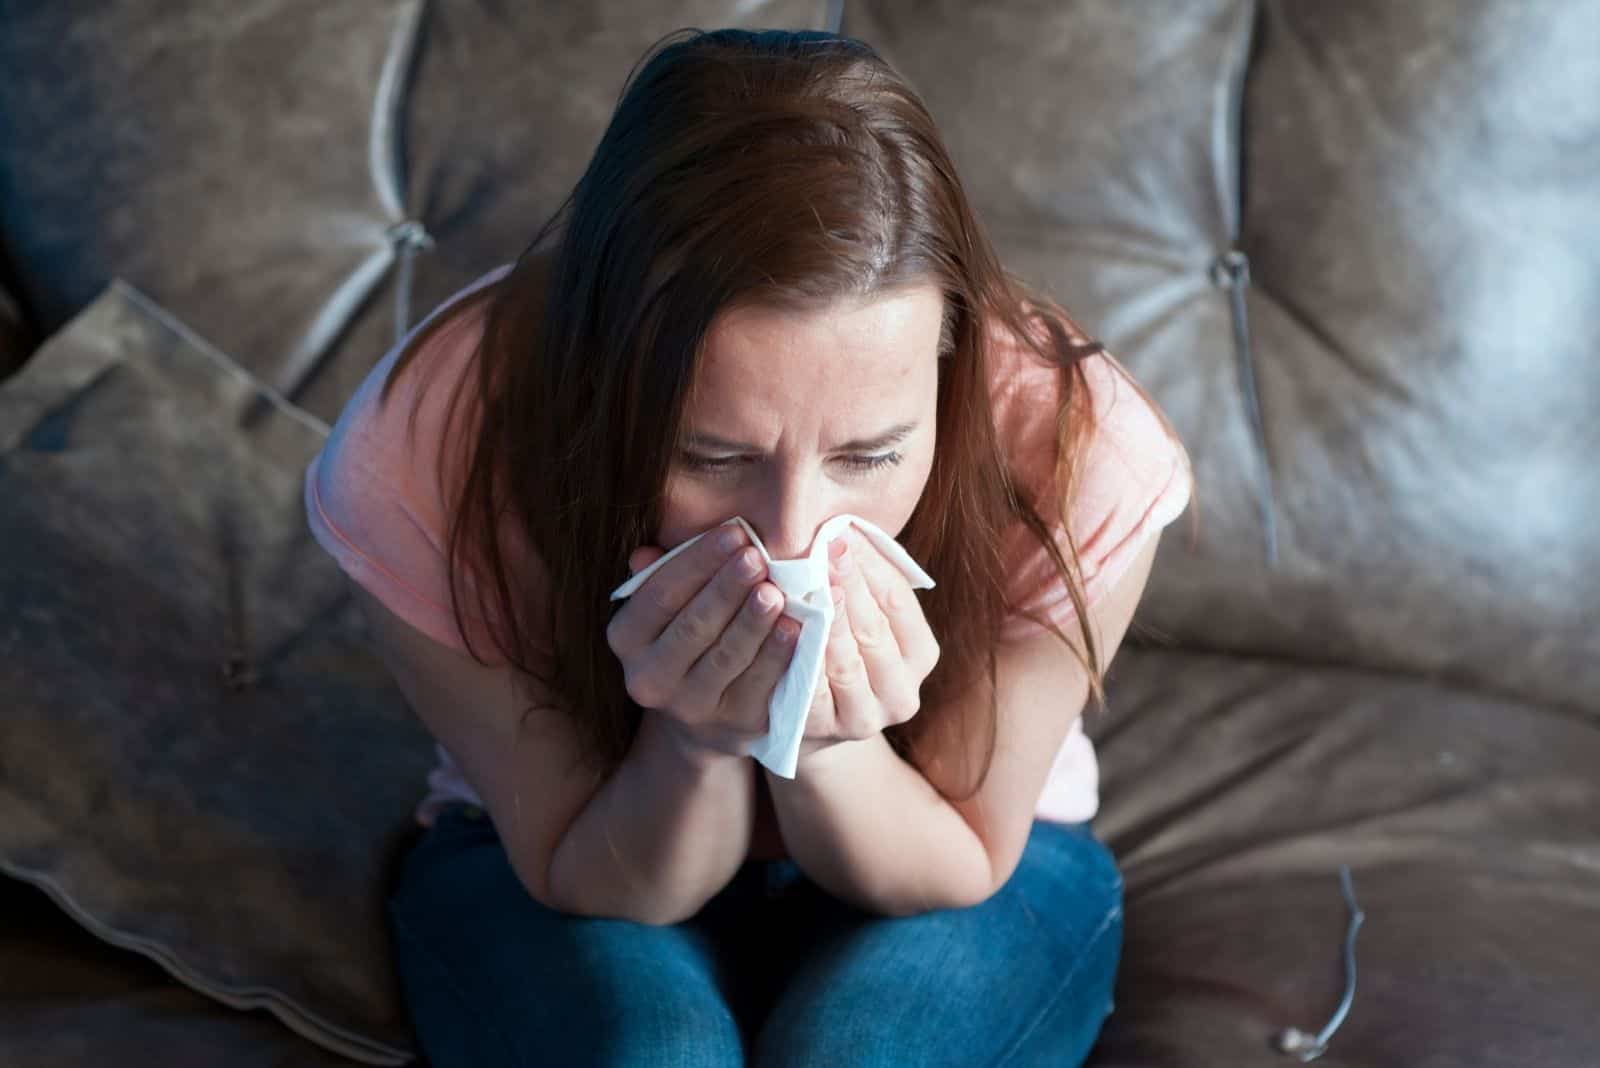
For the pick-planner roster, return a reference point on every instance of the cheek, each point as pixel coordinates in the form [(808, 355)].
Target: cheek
[(893, 502), (686, 511)]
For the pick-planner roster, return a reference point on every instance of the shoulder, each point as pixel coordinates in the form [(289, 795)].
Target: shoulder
[(1131, 475), (1129, 446), (377, 496), (390, 433)]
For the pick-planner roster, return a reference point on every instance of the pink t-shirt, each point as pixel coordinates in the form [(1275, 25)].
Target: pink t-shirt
[(374, 502)]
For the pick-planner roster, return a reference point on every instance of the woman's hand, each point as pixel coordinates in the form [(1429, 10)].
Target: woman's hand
[(702, 642), (880, 648)]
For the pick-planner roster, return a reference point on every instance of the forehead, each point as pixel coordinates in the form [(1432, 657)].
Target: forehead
[(870, 346)]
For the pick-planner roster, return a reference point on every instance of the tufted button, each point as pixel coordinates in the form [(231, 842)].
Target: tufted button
[(1229, 269), (411, 232)]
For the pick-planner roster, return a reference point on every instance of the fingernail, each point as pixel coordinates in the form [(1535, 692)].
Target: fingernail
[(730, 539), (787, 632)]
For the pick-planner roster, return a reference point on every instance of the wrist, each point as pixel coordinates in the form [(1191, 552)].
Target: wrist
[(659, 733), (827, 759)]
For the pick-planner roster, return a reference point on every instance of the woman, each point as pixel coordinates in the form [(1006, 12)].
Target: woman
[(766, 297)]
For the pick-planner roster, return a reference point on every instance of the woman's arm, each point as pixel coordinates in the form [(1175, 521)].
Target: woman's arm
[(870, 829), (666, 832), (652, 843), (878, 832)]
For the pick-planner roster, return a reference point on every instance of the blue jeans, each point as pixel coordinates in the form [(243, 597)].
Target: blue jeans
[(772, 971)]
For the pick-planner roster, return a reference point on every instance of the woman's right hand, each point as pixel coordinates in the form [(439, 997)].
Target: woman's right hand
[(704, 642)]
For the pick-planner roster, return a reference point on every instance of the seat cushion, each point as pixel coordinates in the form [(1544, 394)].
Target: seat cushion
[(69, 1000), (201, 758), (1232, 791)]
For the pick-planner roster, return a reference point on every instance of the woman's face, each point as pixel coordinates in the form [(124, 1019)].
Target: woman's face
[(797, 418)]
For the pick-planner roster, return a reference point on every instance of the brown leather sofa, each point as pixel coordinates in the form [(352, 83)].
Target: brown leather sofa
[(1352, 247)]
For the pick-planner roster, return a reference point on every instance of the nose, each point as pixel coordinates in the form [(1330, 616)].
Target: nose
[(787, 522)]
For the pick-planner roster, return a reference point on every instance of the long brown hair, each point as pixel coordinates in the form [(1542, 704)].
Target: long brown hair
[(781, 169)]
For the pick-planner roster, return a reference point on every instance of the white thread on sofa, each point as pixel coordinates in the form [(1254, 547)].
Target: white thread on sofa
[(409, 237), (406, 235), (1309, 1047), (1231, 269), (396, 241)]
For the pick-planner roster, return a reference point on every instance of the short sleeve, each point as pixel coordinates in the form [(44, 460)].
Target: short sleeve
[(365, 523), (1134, 480), (373, 497)]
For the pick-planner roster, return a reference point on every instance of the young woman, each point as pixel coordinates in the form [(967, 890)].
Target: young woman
[(767, 297)]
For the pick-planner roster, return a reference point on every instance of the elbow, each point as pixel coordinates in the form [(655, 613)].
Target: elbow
[(649, 913), (970, 889), (971, 897), (651, 909), (982, 881), (661, 914)]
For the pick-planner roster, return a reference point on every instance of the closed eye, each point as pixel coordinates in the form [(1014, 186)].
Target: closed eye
[(727, 464)]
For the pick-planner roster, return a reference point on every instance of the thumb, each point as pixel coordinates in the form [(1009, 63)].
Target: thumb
[(643, 557)]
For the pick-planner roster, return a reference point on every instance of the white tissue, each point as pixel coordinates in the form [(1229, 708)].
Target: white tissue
[(804, 583)]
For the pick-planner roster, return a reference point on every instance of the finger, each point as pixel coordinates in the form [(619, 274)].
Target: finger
[(751, 692), (849, 687), (889, 679), (664, 594), (897, 600), (740, 642), (643, 557), (701, 622), (874, 637)]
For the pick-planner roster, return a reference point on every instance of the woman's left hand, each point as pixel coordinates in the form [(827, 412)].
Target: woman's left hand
[(879, 650)]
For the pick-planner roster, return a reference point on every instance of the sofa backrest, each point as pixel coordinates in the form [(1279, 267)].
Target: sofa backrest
[(1352, 248), (251, 165), (1354, 251)]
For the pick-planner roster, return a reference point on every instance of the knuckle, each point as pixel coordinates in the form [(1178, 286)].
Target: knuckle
[(721, 661), (614, 634), (869, 633), (642, 688), (845, 668), (693, 627), (659, 597), (893, 598)]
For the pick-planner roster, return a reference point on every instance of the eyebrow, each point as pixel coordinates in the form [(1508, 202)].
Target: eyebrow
[(893, 436)]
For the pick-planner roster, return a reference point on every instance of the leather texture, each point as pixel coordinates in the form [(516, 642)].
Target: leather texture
[(1353, 249), (1411, 186), (16, 340), (200, 758), (220, 157)]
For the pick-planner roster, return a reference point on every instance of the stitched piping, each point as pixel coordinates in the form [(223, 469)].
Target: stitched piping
[(399, 241), (1230, 270)]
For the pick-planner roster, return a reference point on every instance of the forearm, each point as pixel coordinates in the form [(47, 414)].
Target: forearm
[(660, 837), (870, 829)]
